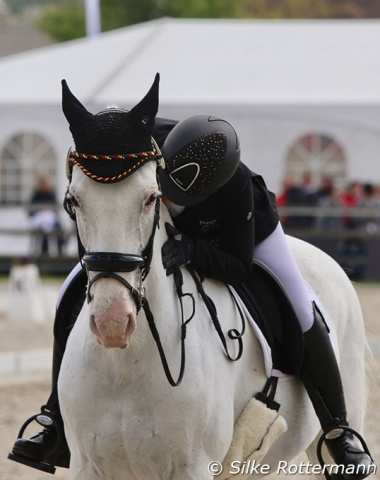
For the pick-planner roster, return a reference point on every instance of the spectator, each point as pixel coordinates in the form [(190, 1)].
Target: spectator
[(372, 200), (328, 197), (352, 247), (44, 218), (309, 198), (351, 198), (291, 196)]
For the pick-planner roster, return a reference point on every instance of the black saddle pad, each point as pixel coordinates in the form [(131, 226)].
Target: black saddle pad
[(270, 307)]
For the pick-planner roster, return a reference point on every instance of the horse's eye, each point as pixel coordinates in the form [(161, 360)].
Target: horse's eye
[(74, 201), (152, 198), (71, 200), (69, 204)]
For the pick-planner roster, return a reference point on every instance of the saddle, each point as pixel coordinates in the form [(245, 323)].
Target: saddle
[(269, 305)]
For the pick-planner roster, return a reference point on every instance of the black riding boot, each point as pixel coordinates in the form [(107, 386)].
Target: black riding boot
[(322, 380), (49, 448)]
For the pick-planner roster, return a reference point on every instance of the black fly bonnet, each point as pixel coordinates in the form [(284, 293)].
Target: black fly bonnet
[(114, 143)]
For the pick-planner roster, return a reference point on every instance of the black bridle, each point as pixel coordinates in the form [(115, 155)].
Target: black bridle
[(107, 263)]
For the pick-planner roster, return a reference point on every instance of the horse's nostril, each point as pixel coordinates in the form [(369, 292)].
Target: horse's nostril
[(131, 326)]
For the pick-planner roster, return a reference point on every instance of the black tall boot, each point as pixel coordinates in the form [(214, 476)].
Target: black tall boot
[(49, 448), (321, 377)]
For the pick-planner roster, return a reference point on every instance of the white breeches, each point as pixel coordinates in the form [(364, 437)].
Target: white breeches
[(275, 253)]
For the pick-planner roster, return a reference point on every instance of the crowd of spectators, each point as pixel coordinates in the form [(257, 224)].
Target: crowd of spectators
[(327, 196)]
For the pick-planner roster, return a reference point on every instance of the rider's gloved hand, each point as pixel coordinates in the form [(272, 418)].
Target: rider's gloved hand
[(177, 250)]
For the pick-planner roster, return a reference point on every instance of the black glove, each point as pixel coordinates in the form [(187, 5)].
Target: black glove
[(177, 250)]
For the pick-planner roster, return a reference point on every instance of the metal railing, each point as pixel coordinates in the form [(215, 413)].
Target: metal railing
[(354, 241)]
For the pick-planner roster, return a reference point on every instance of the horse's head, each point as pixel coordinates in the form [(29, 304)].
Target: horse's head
[(114, 210)]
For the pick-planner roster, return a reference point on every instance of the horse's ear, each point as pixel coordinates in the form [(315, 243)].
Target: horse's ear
[(74, 111), (147, 109)]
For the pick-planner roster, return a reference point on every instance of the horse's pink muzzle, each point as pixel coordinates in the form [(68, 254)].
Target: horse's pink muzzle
[(115, 325)]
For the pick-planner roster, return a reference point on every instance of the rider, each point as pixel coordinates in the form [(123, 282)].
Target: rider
[(223, 216)]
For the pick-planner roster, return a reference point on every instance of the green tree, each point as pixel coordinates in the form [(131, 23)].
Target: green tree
[(204, 8), (311, 9), (63, 23), (288, 9), (119, 13), (67, 21)]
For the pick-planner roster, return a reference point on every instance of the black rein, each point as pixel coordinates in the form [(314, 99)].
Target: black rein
[(107, 263)]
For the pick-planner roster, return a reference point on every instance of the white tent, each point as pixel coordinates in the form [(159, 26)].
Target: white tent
[(278, 82), (208, 62)]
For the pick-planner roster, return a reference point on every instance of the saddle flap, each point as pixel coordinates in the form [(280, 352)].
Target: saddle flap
[(270, 306)]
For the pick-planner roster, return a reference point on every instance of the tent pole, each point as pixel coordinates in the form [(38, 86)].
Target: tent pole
[(92, 13)]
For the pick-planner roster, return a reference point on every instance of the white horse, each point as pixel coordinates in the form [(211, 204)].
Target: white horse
[(123, 420)]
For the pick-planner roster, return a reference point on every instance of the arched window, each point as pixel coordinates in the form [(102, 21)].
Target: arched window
[(319, 156), (23, 159)]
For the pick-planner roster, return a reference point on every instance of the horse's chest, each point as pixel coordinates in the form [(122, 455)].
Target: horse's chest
[(144, 441), (133, 448)]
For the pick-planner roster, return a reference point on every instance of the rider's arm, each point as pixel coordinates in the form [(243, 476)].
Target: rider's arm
[(226, 253)]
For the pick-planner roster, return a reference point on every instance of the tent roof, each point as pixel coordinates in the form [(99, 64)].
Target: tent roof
[(207, 62)]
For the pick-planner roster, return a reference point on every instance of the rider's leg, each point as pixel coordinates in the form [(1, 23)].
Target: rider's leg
[(41, 448), (320, 365)]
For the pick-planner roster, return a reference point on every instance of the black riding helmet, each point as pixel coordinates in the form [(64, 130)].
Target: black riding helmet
[(202, 152)]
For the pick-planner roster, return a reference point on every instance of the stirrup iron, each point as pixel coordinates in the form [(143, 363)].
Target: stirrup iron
[(45, 419), (325, 436)]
